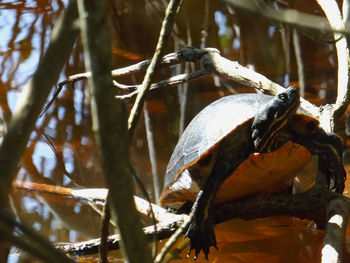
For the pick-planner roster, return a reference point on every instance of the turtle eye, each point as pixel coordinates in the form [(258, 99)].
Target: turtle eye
[(282, 96)]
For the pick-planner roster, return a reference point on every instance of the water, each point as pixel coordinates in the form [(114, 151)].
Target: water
[(62, 150)]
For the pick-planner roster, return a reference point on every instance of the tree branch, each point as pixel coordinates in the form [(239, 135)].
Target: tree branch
[(311, 205), (290, 17), (337, 212), (318, 204), (109, 125), (167, 26), (331, 9)]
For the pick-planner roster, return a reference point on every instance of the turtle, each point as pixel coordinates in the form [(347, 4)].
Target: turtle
[(243, 145)]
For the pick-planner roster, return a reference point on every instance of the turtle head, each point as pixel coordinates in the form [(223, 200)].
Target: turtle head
[(272, 117)]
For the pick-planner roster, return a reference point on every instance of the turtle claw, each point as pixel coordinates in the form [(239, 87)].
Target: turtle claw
[(339, 180), (202, 237)]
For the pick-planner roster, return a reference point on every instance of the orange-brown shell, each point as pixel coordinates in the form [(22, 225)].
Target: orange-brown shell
[(260, 173)]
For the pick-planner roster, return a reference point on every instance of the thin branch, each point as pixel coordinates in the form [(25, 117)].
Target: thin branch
[(152, 154), (105, 219), (91, 246), (310, 205), (316, 204), (213, 62), (299, 61), (167, 26), (182, 89), (167, 60), (94, 195), (174, 237), (287, 16), (206, 24), (188, 54), (166, 83), (331, 9)]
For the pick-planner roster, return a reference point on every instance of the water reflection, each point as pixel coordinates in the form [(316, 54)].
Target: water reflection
[(62, 150)]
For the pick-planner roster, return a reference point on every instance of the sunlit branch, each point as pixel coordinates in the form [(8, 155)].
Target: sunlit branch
[(331, 9), (312, 205), (188, 54), (337, 213), (287, 16), (170, 82), (317, 204), (213, 63), (167, 60), (174, 237)]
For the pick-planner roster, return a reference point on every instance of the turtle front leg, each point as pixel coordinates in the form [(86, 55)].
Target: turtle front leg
[(329, 148), (201, 230)]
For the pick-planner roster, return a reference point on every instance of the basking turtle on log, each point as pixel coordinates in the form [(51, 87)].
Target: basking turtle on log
[(242, 145)]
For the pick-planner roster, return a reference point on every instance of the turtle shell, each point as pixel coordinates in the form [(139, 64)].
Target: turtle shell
[(195, 153)]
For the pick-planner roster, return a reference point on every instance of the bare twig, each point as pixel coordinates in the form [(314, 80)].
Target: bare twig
[(91, 246), (174, 237), (187, 54), (205, 26), (170, 82), (54, 96), (182, 88), (106, 217), (152, 154), (167, 60), (331, 9), (287, 16), (299, 61), (167, 26), (214, 63)]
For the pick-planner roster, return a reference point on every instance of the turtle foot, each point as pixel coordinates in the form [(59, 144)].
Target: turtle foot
[(202, 237)]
